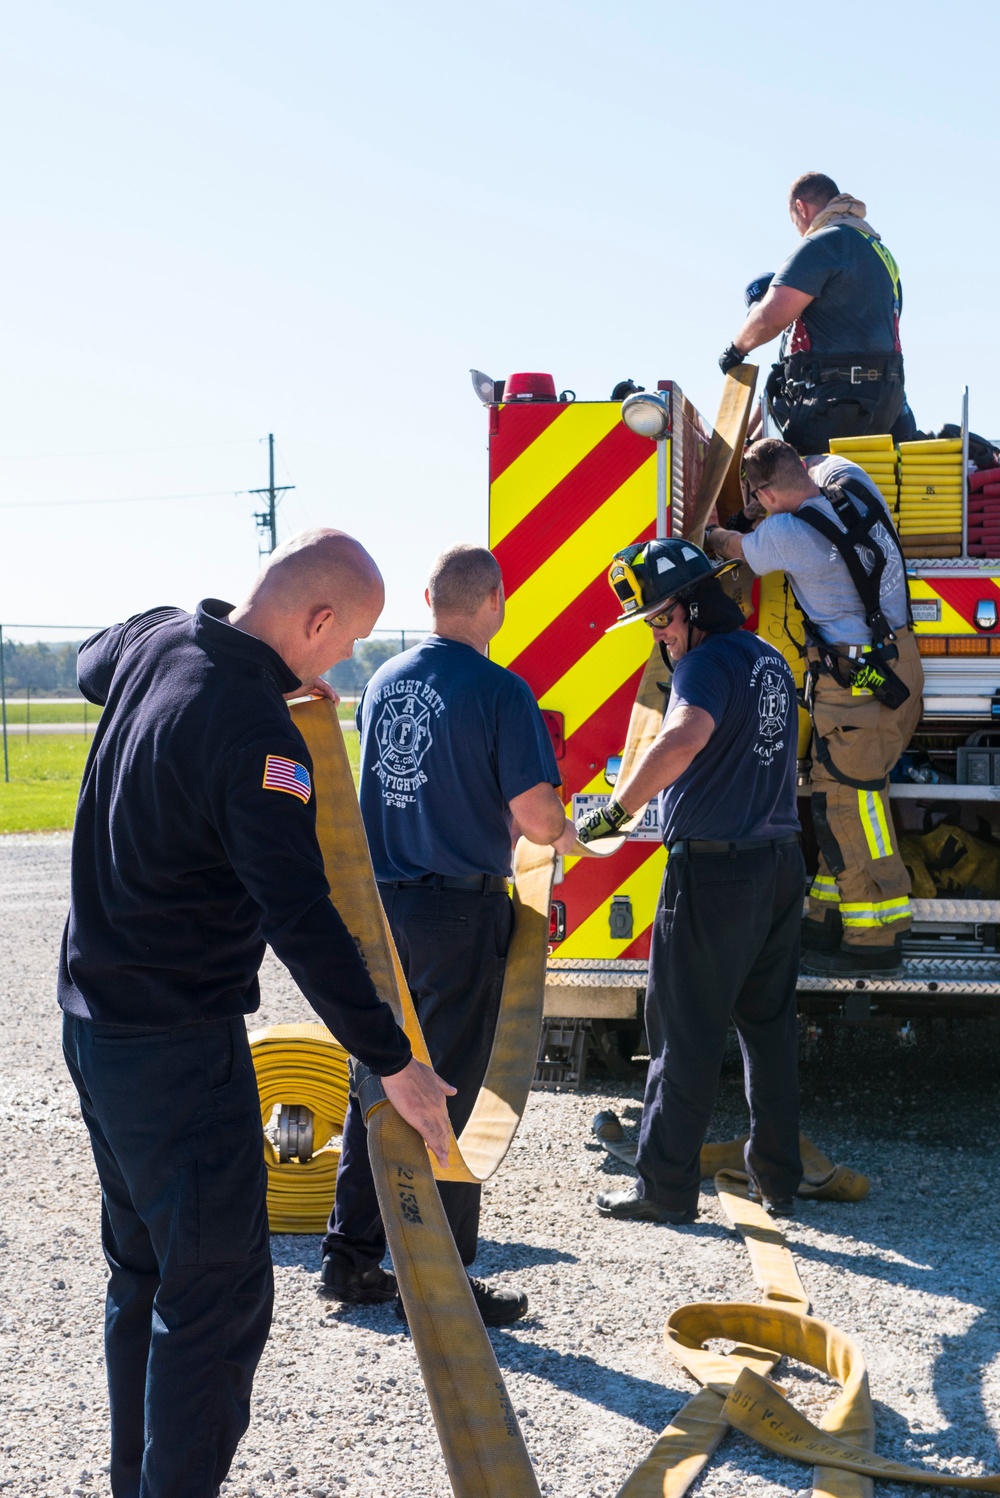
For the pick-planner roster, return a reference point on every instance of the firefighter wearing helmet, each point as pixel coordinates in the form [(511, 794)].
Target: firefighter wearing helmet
[(725, 943)]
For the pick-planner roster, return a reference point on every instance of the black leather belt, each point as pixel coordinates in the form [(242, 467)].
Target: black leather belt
[(741, 845), (479, 884)]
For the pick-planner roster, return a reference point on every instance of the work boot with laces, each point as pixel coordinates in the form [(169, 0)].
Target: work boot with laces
[(340, 1280), (497, 1306)]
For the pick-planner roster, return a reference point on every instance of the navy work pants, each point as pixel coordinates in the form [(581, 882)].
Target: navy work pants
[(174, 1122), (453, 948), (725, 947), (811, 423)]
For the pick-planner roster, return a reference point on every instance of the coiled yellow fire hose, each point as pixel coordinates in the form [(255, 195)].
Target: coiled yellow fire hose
[(301, 1066), (482, 1443)]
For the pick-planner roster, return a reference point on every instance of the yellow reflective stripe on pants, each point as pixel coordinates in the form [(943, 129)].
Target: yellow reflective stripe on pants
[(876, 913), (824, 887), (871, 810)]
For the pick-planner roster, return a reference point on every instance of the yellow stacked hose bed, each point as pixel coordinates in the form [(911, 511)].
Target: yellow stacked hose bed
[(931, 488), (877, 456), (301, 1065)]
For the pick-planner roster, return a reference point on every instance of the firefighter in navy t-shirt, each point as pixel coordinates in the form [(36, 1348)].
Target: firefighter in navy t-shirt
[(725, 943), (454, 751)]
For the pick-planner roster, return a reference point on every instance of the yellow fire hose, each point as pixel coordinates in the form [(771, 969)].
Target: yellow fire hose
[(722, 461), (482, 1443), (738, 1392), (821, 1179), (502, 1098), (480, 1437), (300, 1067)]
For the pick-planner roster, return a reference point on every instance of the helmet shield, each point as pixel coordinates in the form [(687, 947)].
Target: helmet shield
[(625, 581)]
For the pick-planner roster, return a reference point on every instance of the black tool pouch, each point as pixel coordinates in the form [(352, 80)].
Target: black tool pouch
[(874, 674)]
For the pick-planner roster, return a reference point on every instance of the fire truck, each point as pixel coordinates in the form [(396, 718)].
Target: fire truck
[(569, 484)]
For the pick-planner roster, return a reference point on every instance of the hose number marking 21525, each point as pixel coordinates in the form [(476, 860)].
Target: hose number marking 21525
[(408, 1204)]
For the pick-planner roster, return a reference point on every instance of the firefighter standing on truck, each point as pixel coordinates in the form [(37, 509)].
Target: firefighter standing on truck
[(839, 297), (725, 943), (829, 531)]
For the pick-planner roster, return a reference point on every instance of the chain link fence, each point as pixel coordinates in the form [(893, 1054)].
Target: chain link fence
[(38, 675), (350, 678)]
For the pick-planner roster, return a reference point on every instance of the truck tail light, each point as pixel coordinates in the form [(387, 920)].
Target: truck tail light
[(556, 725), (557, 920)]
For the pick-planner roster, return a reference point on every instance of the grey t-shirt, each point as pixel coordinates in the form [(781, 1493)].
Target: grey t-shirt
[(818, 573), (854, 309)]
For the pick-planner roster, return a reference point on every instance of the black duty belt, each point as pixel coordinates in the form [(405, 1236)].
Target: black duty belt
[(848, 367), (479, 884), (851, 374), (740, 845)]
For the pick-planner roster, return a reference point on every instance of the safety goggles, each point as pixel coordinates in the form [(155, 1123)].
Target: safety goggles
[(663, 621), (624, 581)]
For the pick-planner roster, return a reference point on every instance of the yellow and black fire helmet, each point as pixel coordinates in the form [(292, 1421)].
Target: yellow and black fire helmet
[(647, 574)]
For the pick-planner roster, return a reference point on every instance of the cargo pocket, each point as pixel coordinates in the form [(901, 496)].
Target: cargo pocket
[(221, 1206)]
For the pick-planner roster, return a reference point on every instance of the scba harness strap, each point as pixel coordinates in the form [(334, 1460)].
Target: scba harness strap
[(859, 515)]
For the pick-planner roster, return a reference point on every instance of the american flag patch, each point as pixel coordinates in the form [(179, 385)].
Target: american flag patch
[(285, 775)]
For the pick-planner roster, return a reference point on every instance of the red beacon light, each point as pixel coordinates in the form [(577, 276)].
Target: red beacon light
[(521, 388), (529, 387)]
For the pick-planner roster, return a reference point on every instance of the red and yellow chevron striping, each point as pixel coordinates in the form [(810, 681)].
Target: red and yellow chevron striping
[(569, 486)]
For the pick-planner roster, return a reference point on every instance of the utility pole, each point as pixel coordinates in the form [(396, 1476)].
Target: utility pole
[(3, 710), (267, 520)]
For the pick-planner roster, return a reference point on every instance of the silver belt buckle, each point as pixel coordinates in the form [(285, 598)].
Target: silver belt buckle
[(855, 374)]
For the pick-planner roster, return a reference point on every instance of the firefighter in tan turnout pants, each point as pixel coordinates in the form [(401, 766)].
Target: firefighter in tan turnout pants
[(829, 531)]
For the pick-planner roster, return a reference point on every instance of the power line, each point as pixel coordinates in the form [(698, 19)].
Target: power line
[(102, 452), (128, 499)]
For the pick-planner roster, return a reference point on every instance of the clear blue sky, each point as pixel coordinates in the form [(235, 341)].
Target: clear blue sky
[(226, 219)]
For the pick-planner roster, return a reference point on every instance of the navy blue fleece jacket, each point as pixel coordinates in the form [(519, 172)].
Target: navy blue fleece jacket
[(190, 851)]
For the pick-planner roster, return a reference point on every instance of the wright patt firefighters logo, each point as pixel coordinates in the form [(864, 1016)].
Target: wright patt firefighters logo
[(772, 709), (403, 735), (772, 705)]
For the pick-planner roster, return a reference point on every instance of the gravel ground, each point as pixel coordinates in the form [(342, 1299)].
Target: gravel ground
[(339, 1407)]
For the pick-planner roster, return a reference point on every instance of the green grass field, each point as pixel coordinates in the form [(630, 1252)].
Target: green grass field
[(52, 710), (45, 781)]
